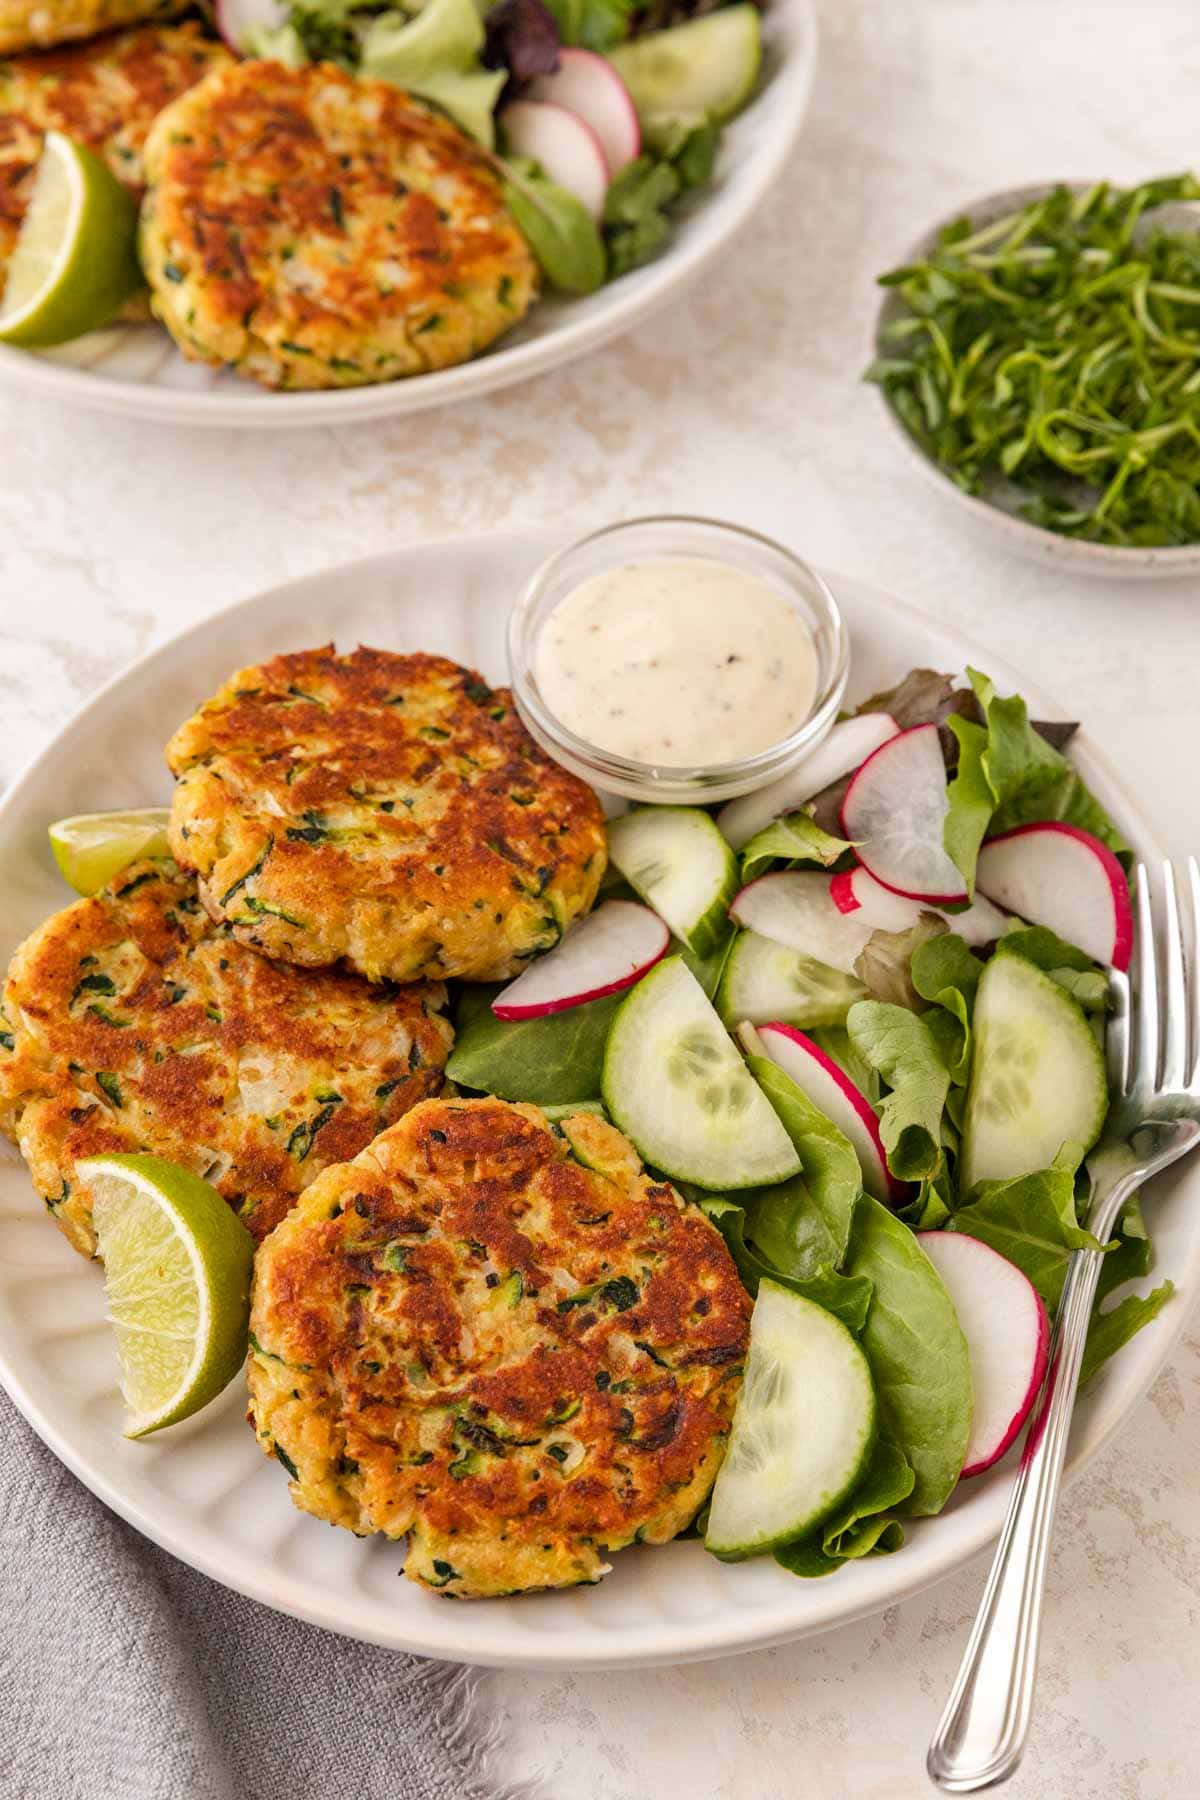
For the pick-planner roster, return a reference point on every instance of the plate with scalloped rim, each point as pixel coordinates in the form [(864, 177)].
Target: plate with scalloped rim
[(204, 1490), (136, 371)]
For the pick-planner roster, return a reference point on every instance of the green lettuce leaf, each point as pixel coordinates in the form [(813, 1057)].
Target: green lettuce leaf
[(830, 1176), (847, 1297), (1026, 779), (917, 1352), (595, 24), (945, 973), (549, 1061), (797, 838), (1110, 1331), (865, 1524), (971, 799), (1032, 1221), (904, 1048)]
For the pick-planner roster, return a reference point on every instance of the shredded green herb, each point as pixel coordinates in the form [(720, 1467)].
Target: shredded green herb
[(1052, 358)]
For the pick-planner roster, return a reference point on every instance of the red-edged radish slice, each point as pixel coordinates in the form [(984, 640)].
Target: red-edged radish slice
[(589, 86), (236, 19), (856, 890), (843, 750), (894, 812), (843, 1103), (1060, 876), (568, 151), (1007, 1333), (794, 908), (610, 950)]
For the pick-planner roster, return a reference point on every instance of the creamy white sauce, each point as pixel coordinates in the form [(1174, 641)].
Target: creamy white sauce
[(680, 662)]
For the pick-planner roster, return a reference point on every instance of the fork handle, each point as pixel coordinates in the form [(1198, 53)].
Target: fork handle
[(981, 1736)]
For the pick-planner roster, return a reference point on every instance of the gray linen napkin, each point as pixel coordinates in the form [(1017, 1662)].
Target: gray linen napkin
[(124, 1675)]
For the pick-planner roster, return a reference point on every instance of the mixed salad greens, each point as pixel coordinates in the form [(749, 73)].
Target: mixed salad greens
[(603, 123), (1056, 351), (871, 1052)]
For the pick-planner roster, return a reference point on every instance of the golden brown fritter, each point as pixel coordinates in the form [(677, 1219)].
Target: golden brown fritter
[(129, 1022), (311, 230), (468, 1336), (37, 24), (106, 95), (389, 810)]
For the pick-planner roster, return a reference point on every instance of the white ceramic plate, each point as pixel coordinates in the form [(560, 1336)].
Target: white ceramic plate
[(136, 371), (205, 1491)]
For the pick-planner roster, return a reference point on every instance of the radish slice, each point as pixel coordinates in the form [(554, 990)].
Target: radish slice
[(894, 812), (856, 890), (1008, 1338), (795, 908), (845, 748), (843, 1103), (236, 19), (568, 151), (608, 951), (1060, 876), (589, 86)]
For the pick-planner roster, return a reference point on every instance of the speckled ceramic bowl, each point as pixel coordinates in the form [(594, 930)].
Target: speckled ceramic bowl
[(995, 516)]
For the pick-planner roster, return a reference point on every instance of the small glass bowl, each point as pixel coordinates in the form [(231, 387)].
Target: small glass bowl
[(651, 540)]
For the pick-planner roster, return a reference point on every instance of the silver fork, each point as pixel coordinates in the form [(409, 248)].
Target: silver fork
[(1154, 1087)]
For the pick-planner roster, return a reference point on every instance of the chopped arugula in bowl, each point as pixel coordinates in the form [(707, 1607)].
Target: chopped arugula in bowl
[(1042, 354)]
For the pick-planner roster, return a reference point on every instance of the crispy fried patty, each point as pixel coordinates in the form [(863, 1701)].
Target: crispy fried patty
[(469, 1336), (313, 230), (105, 95), (388, 810), (129, 1022), (36, 24)]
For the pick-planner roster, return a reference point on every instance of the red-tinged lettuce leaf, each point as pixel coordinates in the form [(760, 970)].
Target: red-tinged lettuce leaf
[(522, 37)]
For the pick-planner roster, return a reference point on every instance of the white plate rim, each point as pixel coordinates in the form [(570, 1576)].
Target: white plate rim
[(909, 1571), (503, 367)]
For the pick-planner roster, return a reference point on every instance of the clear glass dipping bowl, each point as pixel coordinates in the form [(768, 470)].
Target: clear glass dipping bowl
[(651, 540)]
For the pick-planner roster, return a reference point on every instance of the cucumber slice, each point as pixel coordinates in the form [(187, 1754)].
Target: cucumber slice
[(674, 1083), (677, 860), (705, 69), (802, 1432), (1037, 1076), (767, 983)]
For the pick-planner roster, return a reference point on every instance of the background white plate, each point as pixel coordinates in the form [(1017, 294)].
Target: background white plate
[(205, 1491), (136, 371)]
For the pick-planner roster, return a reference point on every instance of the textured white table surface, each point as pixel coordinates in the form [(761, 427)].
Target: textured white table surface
[(743, 401)]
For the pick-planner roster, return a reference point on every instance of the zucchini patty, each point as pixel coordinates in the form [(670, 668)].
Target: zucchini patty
[(128, 1022), (389, 810), (312, 230), (37, 24), (105, 95), (519, 1359)]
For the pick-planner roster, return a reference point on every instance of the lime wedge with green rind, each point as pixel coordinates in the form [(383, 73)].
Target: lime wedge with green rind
[(91, 848), (177, 1267), (75, 262)]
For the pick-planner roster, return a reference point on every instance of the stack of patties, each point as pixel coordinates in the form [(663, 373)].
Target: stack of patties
[(336, 818)]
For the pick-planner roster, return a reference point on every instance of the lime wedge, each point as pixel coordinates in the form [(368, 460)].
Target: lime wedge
[(75, 262), (93, 847), (177, 1271)]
